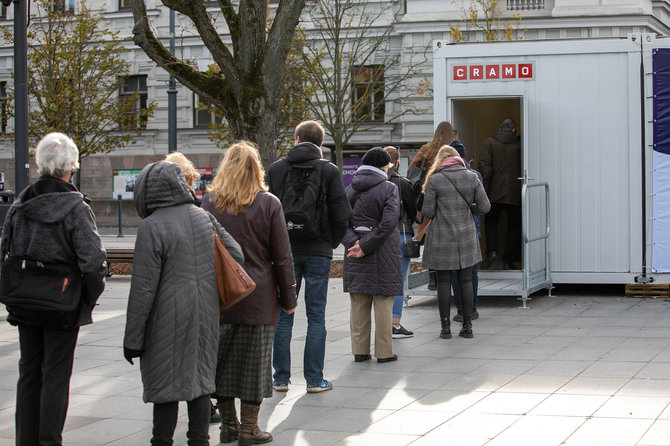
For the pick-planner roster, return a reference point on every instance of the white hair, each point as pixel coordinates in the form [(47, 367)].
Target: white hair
[(56, 155)]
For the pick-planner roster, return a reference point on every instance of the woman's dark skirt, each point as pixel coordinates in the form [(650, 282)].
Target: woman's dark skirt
[(244, 365)]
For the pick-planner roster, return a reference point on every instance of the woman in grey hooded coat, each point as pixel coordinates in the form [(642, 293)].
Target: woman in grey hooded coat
[(172, 320)]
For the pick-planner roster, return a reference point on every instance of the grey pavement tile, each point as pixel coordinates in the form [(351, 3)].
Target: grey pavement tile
[(468, 429), (570, 405), (646, 387), (632, 354), (345, 420), (593, 386), (426, 380), (508, 403), (481, 383), (282, 417), (7, 419), (106, 406), (409, 422), (613, 369), (390, 399), (623, 406), (456, 366), (371, 377), (663, 356), (535, 384), (659, 370), (374, 438), (505, 367), (534, 430), (306, 438), (657, 435), (103, 431), (553, 367), (448, 401), (7, 398), (8, 380), (75, 422), (609, 432)]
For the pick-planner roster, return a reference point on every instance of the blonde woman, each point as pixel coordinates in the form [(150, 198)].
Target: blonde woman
[(451, 194), (239, 200), (187, 168)]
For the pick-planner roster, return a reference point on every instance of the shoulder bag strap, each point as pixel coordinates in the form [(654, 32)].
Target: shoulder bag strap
[(457, 190)]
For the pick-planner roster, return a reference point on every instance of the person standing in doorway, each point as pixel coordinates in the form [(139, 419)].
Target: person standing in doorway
[(405, 227), (500, 166), (317, 213)]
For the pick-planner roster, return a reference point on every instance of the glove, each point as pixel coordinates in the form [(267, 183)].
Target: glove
[(129, 354)]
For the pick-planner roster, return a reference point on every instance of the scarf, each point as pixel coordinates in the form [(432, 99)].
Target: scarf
[(452, 161)]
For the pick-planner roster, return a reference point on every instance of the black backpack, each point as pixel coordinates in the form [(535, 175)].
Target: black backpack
[(303, 199)]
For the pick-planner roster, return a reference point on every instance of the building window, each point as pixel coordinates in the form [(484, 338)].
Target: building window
[(132, 85), (525, 5), (368, 94), (201, 116), (4, 107), (124, 4), (3, 12), (63, 6)]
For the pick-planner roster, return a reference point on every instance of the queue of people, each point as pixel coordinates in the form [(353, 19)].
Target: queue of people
[(282, 227)]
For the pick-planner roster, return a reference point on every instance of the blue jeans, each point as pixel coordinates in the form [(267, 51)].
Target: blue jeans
[(315, 270), (398, 301), (457, 294)]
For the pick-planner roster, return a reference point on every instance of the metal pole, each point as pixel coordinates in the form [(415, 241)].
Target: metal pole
[(172, 97), (21, 166), (120, 208)]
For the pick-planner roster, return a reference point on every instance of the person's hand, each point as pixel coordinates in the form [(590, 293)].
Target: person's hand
[(355, 251), (289, 311), (129, 354)]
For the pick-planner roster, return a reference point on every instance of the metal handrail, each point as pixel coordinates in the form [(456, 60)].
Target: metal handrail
[(525, 233)]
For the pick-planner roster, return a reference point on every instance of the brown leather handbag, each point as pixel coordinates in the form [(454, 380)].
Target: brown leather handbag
[(233, 282)]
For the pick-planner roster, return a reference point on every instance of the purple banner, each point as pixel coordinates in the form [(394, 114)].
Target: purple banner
[(349, 167)]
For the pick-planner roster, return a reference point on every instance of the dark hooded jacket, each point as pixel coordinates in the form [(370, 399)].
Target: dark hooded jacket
[(376, 206), (51, 222), (338, 209), (500, 166), (173, 306), (407, 203)]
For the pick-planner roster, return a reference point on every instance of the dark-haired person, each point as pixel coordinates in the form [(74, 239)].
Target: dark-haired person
[(500, 166), (51, 222), (372, 272), (311, 257)]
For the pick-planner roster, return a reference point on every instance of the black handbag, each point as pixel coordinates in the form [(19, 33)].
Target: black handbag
[(410, 248), (46, 292)]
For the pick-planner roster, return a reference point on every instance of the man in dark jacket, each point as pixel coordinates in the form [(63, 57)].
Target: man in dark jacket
[(500, 166), (405, 227), (311, 258)]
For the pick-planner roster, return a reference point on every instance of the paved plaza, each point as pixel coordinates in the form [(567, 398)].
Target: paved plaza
[(584, 367)]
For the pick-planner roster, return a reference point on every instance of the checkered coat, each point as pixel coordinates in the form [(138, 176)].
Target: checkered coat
[(451, 241)]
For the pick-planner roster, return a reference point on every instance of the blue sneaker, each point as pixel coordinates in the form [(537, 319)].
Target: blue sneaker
[(279, 386), (320, 387)]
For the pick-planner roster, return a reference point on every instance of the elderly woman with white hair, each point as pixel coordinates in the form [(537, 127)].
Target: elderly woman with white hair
[(51, 222)]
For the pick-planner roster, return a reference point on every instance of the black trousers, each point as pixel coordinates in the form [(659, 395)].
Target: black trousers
[(42, 392), (464, 278), (165, 422), (513, 233)]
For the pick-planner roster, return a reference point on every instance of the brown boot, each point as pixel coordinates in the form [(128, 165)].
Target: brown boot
[(250, 433), (229, 425)]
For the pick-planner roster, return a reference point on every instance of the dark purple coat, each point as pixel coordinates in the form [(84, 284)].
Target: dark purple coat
[(376, 205)]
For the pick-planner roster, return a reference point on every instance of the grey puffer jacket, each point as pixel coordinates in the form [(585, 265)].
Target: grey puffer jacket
[(173, 306), (51, 222), (376, 206)]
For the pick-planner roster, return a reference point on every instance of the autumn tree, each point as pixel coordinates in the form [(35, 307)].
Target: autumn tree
[(357, 82), (76, 69), (248, 81), (293, 104), (486, 16)]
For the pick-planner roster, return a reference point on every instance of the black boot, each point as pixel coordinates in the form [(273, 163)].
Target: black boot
[(432, 280), (466, 329), (446, 329)]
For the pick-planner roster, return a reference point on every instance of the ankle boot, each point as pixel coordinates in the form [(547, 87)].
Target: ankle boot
[(250, 433), (466, 329), (230, 426), (446, 328)]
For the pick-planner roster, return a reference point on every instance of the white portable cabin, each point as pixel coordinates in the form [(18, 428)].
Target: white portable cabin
[(594, 120)]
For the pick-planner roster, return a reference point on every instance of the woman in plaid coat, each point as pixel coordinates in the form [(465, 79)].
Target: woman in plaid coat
[(452, 194)]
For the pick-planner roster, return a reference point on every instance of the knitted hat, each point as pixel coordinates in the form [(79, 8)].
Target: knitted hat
[(376, 157)]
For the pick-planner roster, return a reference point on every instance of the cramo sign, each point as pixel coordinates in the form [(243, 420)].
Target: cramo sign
[(492, 72)]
